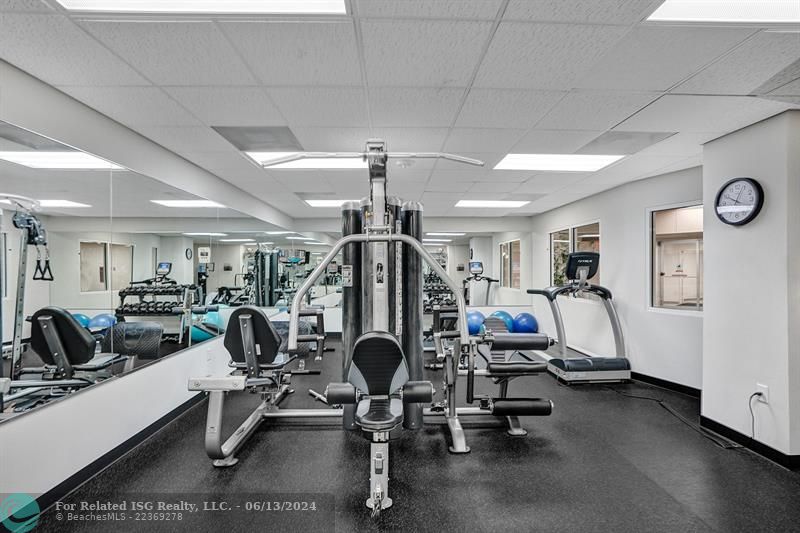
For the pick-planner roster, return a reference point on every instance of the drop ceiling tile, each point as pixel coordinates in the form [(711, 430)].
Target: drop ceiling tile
[(134, 106), (684, 113), (489, 159), (790, 89), (553, 141), (174, 53), (349, 186), (228, 106), (581, 110), (790, 73), (543, 56), (746, 67), (67, 56), (623, 142), (331, 139), (449, 9), (493, 186), (414, 107), (654, 58), (482, 139), (550, 182), (186, 139), (304, 181), (321, 106), (441, 198), (424, 53), (682, 144), (412, 139), (313, 53), (632, 167), (624, 12), (25, 6), (503, 108)]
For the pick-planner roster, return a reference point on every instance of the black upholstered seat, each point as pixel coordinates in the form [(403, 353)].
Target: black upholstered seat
[(265, 336), (79, 344), (378, 369)]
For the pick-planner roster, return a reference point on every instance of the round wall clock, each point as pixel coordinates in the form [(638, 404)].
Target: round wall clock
[(739, 201), (188, 253)]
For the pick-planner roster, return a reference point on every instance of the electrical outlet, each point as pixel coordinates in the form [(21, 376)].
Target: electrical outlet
[(764, 390)]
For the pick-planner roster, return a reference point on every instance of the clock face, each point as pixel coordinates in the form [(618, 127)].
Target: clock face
[(739, 201)]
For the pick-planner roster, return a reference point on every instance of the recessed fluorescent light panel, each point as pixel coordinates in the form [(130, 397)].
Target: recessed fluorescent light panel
[(327, 203), (287, 7), (491, 203), (556, 162), (266, 243), (278, 232), (744, 11), (445, 234), (187, 203), (299, 239), (206, 234), (61, 203), (263, 158), (238, 240), (59, 160), (436, 240)]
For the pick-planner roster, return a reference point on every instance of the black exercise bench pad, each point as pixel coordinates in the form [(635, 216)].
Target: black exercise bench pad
[(516, 368), (520, 341)]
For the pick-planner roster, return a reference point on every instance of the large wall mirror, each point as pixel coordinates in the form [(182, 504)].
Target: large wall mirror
[(119, 270), (122, 270)]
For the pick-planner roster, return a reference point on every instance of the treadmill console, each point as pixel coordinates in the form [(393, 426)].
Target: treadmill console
[(163, 269), (475, 268), (586, 261)]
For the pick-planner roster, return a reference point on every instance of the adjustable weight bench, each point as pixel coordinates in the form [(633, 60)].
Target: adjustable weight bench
[(378, 383)]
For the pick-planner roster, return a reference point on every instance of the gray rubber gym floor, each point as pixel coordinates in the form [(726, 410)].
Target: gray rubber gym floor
[(601, 462)]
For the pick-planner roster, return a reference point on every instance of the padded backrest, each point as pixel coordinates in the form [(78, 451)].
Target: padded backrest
[(78, 343), (378, 366), (579, 260), (266, 338), (140, 339)]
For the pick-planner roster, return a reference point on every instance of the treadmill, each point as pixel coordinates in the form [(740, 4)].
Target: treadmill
[(585, 369)]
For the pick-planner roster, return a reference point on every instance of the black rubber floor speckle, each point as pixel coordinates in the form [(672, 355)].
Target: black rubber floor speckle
[(601, 462)]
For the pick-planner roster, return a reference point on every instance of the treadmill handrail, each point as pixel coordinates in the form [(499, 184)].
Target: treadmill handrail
[(294, 315)]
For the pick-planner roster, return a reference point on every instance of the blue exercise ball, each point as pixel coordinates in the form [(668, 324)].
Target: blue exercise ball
[(283, 309), (506, 317), (82, 319), (102, 321), (474, 322), (526, 323)]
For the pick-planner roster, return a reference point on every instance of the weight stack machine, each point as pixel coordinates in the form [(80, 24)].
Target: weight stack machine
[(382, 281)]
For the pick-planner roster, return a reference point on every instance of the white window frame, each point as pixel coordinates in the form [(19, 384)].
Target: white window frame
[(499, 249), (648, 246)]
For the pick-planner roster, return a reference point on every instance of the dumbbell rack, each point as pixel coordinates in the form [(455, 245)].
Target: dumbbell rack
[(156, 302), (436, 293)]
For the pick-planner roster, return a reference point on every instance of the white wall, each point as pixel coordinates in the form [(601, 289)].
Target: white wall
[(660, 343), (117, 409), (752, 291), (458, 255), (173, 250)]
